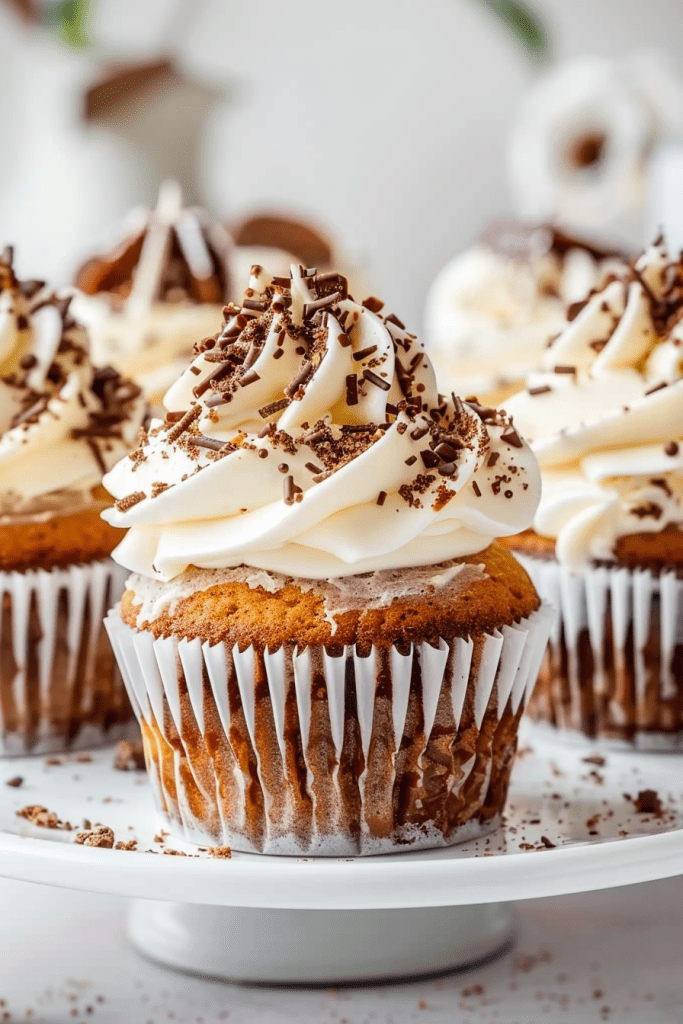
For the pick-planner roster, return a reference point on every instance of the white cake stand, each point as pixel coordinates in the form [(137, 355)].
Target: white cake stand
[(572, 825)]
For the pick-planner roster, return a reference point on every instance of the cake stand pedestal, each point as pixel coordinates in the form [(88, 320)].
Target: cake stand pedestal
[(575, 821), (317, 947)]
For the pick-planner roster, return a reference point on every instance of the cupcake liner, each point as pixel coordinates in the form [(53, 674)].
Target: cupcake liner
[(614, 667), (60, 688), (328, 752)]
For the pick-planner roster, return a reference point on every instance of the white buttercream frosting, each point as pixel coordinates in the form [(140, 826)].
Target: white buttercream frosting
[(492, 309), (62, 422), (608, 436), (337, 454)]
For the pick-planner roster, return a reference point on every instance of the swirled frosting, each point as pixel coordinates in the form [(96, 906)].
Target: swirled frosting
[(308, 438), (605, 416), (63, 423), (492, 309)]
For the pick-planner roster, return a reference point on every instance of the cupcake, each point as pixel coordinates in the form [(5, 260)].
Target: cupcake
[(63, 423), (492, 309), (162, 285), (605, 418), (328, 651)]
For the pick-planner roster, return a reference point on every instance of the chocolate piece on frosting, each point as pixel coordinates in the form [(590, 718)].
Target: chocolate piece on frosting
[(179, 249)]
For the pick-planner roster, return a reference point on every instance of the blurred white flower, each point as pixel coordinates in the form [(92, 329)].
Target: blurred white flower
[(579, 151)]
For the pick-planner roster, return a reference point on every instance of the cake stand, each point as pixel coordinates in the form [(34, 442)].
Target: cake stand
[(576, 821)]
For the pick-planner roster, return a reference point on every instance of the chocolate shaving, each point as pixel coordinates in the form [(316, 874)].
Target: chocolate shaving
[(379, 382), (510, 436), (321, 303), (97, 455), (373, 304), (542, 389), (249, 378), (657, 387), (564, 369), (31, 413), (429, 458), (289, 490)]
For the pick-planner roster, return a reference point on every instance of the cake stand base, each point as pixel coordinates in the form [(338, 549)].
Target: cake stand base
[(317, 947)]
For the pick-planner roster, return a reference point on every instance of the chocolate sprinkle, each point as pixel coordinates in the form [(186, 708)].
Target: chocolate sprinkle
[(565, 369), (364, 353), (289, 490), (377, 381), (352, 389), (181, 426), (123, 504), (200, 441), (476, 488), (542, 389), (381, 497), (268, 410)]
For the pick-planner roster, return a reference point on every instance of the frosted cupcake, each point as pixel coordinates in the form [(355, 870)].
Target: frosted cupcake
[(492, 309), (63, 423), (328, 652), (162, 285), (605, 418)]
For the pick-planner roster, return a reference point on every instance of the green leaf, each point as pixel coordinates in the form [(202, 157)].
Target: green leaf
[(70, 19), (525, 25)]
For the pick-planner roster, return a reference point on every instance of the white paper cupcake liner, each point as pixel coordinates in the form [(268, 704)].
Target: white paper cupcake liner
[(614, 668), (257, 752), (60, 688)]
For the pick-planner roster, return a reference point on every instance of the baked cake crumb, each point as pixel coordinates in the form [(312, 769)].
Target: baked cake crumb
[(102, 837)]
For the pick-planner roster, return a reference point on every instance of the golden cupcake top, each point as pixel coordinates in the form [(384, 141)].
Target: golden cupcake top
[(63, 422), (308, 437)]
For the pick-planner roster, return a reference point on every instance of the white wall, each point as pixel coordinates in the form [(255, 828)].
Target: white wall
[(386, 119)]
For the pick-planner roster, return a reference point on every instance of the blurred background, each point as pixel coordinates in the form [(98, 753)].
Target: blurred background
[(387, 122)]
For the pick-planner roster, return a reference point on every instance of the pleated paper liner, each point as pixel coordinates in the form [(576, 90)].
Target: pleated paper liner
[(327, 753), (60, 687), (614, 666)]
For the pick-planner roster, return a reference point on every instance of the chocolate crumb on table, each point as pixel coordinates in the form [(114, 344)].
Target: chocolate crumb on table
[(15, 782), (648, 802)]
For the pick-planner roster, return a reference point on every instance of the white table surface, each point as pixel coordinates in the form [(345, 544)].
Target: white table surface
[(613, 955)]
